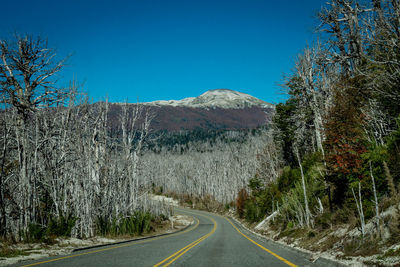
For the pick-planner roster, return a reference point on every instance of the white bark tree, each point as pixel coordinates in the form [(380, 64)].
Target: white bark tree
[(59, 159), (360, 209)]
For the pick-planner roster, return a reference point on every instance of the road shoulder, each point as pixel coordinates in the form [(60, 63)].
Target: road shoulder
[(67, 246), (316, 259)]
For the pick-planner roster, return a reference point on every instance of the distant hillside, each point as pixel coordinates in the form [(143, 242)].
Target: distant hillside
[(219, 109), (218, 98)]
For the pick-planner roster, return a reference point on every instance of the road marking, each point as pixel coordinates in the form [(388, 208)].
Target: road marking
[(267, 250), (169, 260), (114, 247)]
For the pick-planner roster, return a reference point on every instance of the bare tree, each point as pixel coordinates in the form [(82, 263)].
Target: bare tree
[(27, 74), (26, 71), (360, 209), (307, 212), (343, 21), (59, 159), (377, 214)]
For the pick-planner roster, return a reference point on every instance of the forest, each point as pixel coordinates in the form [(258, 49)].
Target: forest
[(330, 156), (338, 131), (64, 172)]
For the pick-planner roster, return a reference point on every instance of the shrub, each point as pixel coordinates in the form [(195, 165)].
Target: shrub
[(288, 178), (61, 226), (252, 212), (324, 220), (290, 225), (135, 224), (34, 233)]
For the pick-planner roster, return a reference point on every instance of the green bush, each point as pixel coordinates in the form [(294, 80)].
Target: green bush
[(34, 233), (57, 226), (135, 224), (290, 225), (288, 178), (252, 212), (61, 226)]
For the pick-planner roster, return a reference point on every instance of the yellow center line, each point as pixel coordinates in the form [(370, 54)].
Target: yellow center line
[(185, 249), (114, 247), (267, 250)]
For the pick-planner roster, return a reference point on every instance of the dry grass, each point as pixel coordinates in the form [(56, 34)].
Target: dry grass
[(391, 253), (361, 247), (7, 251), (207, 203), (313, 240)]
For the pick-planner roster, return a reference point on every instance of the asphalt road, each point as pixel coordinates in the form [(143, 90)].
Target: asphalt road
[(212, 240)]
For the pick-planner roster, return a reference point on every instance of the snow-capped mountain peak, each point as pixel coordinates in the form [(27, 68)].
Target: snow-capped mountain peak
[(218, 98)]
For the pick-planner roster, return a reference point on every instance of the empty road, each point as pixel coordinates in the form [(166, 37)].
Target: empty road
[(212, 240)]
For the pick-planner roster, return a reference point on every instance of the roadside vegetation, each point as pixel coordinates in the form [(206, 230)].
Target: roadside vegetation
[(338, 134)]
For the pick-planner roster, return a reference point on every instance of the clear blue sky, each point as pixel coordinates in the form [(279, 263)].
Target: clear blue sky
[(169, 49)]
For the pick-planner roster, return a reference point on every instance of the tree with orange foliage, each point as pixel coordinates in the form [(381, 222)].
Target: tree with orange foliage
[(345, 141), (241, 202)]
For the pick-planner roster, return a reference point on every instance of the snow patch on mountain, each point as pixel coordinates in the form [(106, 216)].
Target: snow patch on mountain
[(218, 98)]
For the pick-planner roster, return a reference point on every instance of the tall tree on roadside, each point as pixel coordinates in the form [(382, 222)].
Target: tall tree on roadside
[(345, 141), (27, 78)]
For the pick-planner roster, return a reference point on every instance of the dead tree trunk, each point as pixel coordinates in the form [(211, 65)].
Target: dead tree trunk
[(303, 182)]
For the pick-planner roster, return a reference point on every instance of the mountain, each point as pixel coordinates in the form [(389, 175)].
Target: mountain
[(218, 98), (220, 109)]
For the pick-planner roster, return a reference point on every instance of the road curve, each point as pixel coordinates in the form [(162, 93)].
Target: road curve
[(212, 240)]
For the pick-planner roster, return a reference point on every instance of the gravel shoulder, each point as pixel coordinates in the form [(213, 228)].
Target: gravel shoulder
[(330, 257), (65, 246)]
